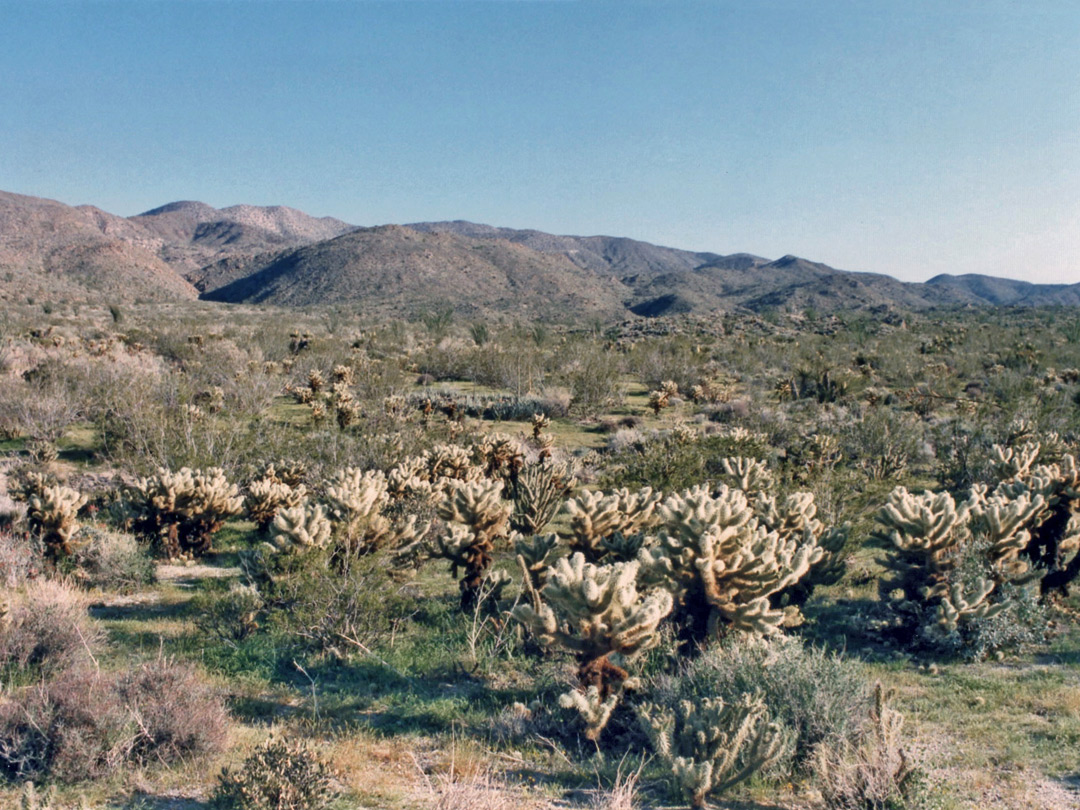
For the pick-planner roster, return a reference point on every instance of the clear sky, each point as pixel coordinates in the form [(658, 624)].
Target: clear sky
[(908, 138)]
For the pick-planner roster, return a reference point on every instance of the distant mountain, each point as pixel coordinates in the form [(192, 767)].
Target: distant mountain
[(194, 235), (50, 250), (397, 269), (1006, 292), (279, 255)]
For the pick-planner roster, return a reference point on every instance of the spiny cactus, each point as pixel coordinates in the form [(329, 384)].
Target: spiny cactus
[(723, 563), (267, 495), (661, 398), (747, 474), (182, 510), (532, 556), (53, 514), (537, 493), (301, 527), (711, 746), (595, 517), (477, 518), (500, 456), (598, 614), (931, 532), (356, 500)]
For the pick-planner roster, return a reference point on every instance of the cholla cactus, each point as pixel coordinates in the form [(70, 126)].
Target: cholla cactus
[(794, 518), (596, 613), (723, 563), (537, 493), (532, 554), (477, 518), (356, 501), (925, 531), (500, 455), (316, 381), (747, 474), (930, 533), (711, 746), (302, 527), (540, 423), (1011, 463), (182, 510), (53, 514), (661, 398), (595, 517), (342, 374), (267, 495)]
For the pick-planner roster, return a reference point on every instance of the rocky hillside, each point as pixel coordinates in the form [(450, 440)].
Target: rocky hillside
[(279, 255)]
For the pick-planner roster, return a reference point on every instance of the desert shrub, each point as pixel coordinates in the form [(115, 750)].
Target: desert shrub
[(871, 771), (113, 560), (671, 462), (813, 695), (592, 375), (228, 615), (322, 610), (47, 630), (71, 728), (278, 775), (21, 558), (177, 714)]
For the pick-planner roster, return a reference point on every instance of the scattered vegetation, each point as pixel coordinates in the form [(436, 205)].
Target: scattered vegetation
[(794, 559)]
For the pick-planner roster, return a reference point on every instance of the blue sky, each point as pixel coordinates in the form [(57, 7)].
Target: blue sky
[(908, 138)]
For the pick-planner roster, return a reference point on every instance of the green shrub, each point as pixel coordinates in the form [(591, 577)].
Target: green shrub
[(810, 693), (113, 561), (278, 775)]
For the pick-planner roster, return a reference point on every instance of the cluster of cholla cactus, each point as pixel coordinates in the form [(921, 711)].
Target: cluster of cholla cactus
[(929, 534), (606, 527), (538, 491), (269, 494), (1025, 529), (713, 389), (52, 513), (499, 456), (710, 746), (476, 519), (598, 614), (661, 398), (357, 501), (723, 562), (300, 527), (428, 476), (182, 510)]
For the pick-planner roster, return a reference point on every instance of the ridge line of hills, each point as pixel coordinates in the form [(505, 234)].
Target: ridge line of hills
[(282, 256)]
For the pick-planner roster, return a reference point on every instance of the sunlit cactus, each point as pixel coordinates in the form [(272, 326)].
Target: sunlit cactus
[(302, 527), (53, 515), (722, 563), (598, 614), (595, 517), (477, 517), (183, 510), (710, 746)]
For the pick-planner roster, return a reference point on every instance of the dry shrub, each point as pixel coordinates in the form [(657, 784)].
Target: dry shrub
[(480, 790), (71, 728), (48, 630), (20, 559), (176, 713), (113, 561)]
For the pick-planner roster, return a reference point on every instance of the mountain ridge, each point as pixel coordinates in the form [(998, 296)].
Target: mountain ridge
[(281, 255)]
